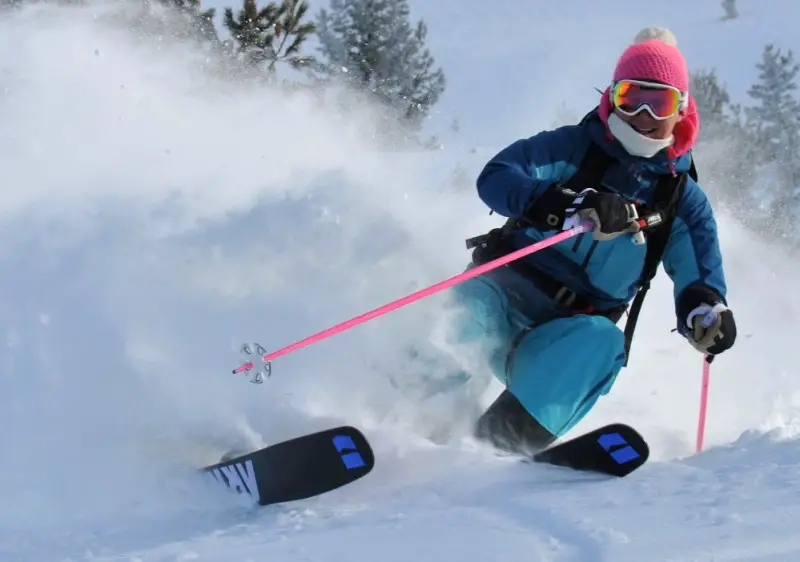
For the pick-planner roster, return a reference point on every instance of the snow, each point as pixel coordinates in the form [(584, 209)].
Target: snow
[(152, 220)]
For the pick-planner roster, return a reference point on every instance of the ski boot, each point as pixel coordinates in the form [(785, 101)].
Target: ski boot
[(510, 428)]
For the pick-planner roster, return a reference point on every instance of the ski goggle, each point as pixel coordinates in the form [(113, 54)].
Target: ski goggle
[(659, 100)]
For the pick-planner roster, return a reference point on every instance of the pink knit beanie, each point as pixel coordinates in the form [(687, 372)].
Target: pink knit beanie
[(653, 59), (654, 55)]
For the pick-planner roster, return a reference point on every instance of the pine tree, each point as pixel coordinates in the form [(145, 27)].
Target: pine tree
[(373, 46), (730, 9), (774, 120), (728, 153), (775, 115), (710, 96), (273, 34), (200, 22)]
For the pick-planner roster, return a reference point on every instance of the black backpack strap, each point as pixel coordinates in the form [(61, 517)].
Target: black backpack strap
[(592, 168), (692, 169), (669, 191)]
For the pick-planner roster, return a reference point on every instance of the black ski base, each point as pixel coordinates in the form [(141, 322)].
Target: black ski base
[(299, 468), (615, 450)]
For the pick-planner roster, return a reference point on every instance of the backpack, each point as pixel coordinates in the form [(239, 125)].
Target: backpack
[(668, 192)]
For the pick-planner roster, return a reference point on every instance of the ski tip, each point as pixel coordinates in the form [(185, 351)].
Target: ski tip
[(615, 450), (301, 467)]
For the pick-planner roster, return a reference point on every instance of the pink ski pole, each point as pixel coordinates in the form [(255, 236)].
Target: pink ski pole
[(701, 422), (468, 274)]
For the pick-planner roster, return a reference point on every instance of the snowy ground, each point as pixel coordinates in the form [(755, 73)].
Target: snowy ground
[(152, 220), (733, 503)]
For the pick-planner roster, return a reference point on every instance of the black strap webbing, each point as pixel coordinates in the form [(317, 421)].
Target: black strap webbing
[(592, 169), (669, 191)]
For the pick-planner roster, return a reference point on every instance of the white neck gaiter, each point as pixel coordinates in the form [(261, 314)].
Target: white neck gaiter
[(635, 143)]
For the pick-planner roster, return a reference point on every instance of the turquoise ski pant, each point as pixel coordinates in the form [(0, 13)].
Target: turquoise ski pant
[(556, 365)]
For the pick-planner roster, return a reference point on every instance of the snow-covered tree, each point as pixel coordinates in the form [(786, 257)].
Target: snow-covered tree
[(182, 19), (730, 9), (373, 46), (775, 116), (710, 96), (773, 120), (775, 113)]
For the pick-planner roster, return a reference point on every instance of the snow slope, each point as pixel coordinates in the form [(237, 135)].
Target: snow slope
[(153, 219)]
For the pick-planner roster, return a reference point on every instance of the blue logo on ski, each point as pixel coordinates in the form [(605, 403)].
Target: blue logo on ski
[(626, 453), (352, 459)]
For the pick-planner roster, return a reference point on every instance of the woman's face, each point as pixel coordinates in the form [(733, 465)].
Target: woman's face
[(644, 124)]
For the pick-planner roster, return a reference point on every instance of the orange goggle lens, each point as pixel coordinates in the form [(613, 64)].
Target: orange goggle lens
[(661, 101)]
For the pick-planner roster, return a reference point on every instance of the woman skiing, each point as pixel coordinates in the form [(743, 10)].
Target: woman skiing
[(551, 317)]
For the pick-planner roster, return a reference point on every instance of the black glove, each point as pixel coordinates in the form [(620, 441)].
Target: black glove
[(705, 320), (562, 208), (609, 212)]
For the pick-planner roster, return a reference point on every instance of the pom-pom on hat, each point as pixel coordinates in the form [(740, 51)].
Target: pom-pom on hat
[(660, 33)]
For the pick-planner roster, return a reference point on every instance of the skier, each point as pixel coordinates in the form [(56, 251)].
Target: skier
[(550, 318)]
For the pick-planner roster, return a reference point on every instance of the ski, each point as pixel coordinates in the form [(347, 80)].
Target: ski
[(615, 450), (296, 469)]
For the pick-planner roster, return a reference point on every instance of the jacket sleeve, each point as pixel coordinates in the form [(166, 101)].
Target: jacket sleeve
[(693, 259), (520, 173)]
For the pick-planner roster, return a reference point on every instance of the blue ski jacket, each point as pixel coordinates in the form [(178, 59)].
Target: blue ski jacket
[(604, 272)]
